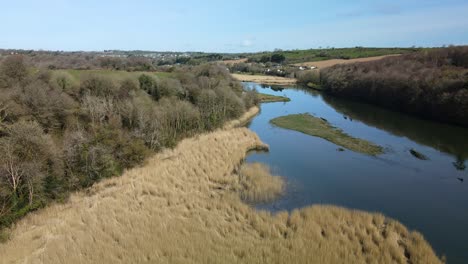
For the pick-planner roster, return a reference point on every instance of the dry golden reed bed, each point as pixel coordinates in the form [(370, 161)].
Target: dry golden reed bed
[(231, 62), (182, 207), (257, 184), (265, 79), (244, 119)]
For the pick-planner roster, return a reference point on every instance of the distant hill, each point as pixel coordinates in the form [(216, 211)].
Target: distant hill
[(298, 56)]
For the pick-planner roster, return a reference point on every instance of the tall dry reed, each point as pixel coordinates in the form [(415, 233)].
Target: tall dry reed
[(181, 207)]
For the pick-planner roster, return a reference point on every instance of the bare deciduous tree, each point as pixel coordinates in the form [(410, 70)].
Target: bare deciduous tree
[(13, 67), (11, 171)]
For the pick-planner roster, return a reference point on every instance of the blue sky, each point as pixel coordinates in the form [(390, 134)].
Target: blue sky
[(230, 26)]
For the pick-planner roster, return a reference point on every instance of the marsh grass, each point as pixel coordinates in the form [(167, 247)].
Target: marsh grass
[(258, 185), (244, 119), (4, 235), (182, 207), (268, 98), (318, 127), (265, 79)]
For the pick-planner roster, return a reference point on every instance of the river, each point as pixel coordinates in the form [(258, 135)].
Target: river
[(429, 196)]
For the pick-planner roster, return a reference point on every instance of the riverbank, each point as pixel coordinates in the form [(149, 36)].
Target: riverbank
[(276, 80), (265, 79), (244, 119), (429, 84)]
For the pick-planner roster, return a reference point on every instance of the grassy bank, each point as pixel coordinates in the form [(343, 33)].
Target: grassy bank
[(268, 98), (318, 127), (182, 207)]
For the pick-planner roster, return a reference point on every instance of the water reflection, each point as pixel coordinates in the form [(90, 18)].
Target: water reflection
[(429, 196), (445, 138)]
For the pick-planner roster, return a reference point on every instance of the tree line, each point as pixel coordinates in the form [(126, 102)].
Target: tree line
[(60, 133), (432, 83), (114, 60)]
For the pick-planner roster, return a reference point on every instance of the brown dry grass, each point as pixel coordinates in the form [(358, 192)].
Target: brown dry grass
[(329, 63), (230, 62), (182, 207), (264, 79), (244, 119), (257, 184)]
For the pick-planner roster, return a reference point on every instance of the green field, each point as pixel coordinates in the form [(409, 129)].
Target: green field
[(318, 127), (296, 56)]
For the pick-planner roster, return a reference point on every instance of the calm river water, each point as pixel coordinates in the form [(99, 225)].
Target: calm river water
[(430, 196)]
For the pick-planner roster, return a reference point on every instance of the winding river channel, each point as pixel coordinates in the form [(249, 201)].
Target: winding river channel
[(430, 196)]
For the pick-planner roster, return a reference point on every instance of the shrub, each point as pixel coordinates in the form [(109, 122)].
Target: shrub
[(277, 58), (99, 86), (306, 77), (169, 87), (149, 85), (64, 81), (49, 106)]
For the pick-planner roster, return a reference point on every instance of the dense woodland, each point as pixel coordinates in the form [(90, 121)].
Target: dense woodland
[(114, 60), (82, 60), (60, 133), (432, 83)]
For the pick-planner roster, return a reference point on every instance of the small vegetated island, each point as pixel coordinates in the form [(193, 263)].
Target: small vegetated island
[(268, 98), (319, 127)]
